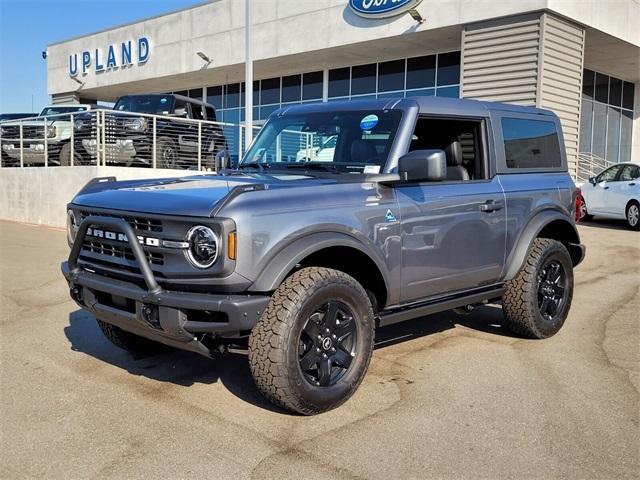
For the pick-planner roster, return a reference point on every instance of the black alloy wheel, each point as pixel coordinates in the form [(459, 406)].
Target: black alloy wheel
[(551, 289), (327, 344)]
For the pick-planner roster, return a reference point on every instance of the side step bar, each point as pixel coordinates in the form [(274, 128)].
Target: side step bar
[(421, 309)]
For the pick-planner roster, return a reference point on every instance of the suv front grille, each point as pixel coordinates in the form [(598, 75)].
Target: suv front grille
[(119, 251)]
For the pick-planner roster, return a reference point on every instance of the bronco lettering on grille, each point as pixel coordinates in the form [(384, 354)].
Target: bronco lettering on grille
[(121, 237)]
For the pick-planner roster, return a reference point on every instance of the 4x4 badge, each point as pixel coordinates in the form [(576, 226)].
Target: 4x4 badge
[(390, 216)]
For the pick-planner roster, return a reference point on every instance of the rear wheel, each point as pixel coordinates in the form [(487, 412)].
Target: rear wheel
[(130, 342), (312, 346), (537, 301), (584, 213), (167, 153), (633, 215)]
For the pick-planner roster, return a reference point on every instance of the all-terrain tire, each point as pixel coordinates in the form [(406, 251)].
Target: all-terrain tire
[(167, 153), (130, 342), (521, 303), (275, 342), (632, 214)]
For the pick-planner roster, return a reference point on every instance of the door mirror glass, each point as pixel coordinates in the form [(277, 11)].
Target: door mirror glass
[(423, 165)]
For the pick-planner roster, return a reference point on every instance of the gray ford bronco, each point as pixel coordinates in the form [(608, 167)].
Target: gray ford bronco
[(425, 204)]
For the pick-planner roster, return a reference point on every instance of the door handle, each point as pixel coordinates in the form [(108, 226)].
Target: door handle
[(632, 184), (605, 188), (491, 206)]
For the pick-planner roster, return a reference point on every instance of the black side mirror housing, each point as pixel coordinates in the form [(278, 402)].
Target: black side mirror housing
[(423, 165), (592, 180), (221, 161)]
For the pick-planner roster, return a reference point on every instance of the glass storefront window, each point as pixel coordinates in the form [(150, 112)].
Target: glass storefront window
[(232, 95), (391, 76), (292, 88), (339, 82), (270, 91), (363, 79), (451, 92), (605, 116), (214, 97), (312, 86), (421, 72), (448, 72)]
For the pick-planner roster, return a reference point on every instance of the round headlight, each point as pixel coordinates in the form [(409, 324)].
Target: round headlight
[(72, 227), (78, 124), (203, 246), (137, 124)]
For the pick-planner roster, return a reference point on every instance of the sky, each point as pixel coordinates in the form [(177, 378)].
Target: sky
[(28, 26)]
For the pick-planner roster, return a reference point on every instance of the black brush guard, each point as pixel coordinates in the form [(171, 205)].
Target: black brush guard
[(159, 314)]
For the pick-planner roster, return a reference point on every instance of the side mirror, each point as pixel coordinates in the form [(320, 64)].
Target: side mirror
[(221, 161), (592, 181), (423, 165)]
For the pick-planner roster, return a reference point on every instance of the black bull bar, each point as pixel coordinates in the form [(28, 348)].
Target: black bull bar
[(172, 309)]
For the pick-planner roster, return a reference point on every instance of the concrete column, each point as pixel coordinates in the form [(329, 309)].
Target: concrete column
[(635, 134), (533, 59)]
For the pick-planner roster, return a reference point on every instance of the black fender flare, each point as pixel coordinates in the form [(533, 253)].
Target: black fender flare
[(542, 219), (276, 269)]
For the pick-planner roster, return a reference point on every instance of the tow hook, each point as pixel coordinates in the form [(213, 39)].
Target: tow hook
[(76, 294), (150, 315)]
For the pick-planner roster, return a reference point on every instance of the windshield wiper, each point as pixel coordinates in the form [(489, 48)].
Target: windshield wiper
[(258, 165), (313, 166)]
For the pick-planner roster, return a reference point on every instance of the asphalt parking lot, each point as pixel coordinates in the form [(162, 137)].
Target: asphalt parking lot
[(445, 396)]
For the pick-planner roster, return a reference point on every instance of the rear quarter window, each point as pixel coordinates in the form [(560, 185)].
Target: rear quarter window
[(530, 143)]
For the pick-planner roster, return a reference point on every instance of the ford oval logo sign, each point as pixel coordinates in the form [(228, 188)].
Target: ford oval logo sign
[(381, 8)]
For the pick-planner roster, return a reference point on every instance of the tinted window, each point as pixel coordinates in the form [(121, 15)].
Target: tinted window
[(609, 175), (312, 85), (270, 91), (211, 114), (602, 88), (363, 79), (629, 172), (391, 76), (214, 96), (339, 82), (530, 143), (196, 111), (232, 95), (449, 68), (291, 88), (627, 95), (421, 72), (181, 108), (156, 104), (588, 79)]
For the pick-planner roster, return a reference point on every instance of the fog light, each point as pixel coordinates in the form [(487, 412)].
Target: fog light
[(150, 315), (76, 293)]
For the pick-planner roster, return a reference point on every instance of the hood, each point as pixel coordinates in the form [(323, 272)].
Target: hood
[(195, 196)]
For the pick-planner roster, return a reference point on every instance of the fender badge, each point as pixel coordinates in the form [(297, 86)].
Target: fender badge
[(390, 216)]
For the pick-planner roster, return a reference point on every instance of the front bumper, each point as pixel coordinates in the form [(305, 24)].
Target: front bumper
[(31, 152), (121, 150), (175, 318)]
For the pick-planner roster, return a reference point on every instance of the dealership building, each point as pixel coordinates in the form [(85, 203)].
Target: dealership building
[(580, 59)]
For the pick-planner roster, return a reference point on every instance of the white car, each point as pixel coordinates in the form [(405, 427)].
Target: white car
[(58, 135), (615, 193)]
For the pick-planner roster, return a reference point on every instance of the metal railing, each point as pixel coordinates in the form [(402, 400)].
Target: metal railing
[(590, 165), (108, 137)]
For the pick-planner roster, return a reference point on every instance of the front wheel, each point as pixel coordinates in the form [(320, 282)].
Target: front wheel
[(537, 301), (167, 153), (633, 215), (312, 346)]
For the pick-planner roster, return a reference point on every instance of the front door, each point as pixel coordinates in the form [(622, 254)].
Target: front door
[(453, 236)]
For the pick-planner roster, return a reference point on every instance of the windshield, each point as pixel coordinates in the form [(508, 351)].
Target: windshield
[(349, 141), (49, 111), (154, 104)]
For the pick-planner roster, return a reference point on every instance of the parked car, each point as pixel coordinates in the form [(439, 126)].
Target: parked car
[(300, 262), (57, 121), (129, 139), (15, 116), (615, 193)]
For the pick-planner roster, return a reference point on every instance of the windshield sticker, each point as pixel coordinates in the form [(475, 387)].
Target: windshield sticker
[(163, 100), (368, 122), (372, 169)]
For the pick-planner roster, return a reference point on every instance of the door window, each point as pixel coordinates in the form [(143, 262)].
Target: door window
[(461, 141), (181, 108), (629, 172), (609, 175), (196, 111)]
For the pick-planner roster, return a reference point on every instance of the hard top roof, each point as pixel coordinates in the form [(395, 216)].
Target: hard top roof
[(427, 105)]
